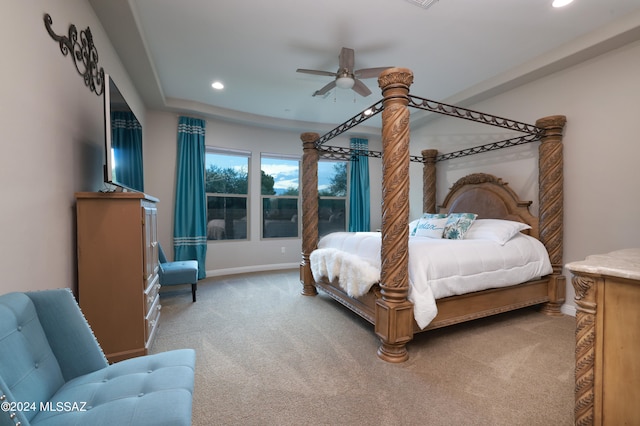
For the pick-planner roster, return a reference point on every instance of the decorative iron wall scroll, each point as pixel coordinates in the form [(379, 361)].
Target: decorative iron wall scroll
[(83, 52)]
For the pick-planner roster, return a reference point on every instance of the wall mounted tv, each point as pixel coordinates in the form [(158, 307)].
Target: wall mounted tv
[(123, 141)]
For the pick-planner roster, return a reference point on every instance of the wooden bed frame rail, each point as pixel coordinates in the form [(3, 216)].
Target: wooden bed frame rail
[(393, 312)]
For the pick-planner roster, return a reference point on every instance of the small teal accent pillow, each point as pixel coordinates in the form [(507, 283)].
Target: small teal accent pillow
[(432, 228), (457, 225), (413, 226)]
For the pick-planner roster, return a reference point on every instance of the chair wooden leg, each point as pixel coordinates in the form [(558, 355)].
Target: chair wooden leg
[(194, 287)]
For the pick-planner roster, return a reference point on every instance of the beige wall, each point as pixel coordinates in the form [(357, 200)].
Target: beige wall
[(600, 100), (224, 257), (51, 141)]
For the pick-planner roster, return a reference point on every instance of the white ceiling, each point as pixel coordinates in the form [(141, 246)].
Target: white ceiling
[(459, 50)]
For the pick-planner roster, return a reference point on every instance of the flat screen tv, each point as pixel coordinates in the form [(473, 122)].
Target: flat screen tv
[(123, 141)]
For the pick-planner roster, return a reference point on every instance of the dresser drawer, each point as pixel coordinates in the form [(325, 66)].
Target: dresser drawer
[(151, 292), (152, 318)]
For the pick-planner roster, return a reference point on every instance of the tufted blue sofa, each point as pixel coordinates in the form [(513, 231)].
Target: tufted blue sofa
[(53, 372)]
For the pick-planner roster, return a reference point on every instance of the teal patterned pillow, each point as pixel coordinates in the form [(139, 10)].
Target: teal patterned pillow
[(414, 224), (457, 225)]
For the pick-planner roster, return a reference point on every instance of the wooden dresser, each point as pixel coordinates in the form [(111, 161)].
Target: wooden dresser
[(118, 279), (607, 338)]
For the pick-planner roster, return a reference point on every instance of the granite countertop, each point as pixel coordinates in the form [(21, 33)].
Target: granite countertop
[(620, 263)]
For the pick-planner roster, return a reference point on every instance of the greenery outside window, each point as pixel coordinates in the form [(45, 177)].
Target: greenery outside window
[(280, 177), (227, 188), (332, 191)]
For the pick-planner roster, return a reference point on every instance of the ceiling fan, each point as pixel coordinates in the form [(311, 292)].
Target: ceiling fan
[(346, 77)]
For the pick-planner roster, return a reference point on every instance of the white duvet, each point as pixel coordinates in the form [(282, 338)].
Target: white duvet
[(437, 267)]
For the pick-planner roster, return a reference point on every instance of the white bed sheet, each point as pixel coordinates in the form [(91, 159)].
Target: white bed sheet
[(437, 267)]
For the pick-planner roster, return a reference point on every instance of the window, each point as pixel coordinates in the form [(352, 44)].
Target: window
[(280, 177), (227, 188), (332, 189)]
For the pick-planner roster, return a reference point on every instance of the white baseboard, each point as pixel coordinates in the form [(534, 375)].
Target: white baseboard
[(568, 310), (255, 268)]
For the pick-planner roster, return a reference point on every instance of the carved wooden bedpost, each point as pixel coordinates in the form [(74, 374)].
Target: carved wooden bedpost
[(429, 181), (551, 201), (393, 312), (309, 210), (586, 306)]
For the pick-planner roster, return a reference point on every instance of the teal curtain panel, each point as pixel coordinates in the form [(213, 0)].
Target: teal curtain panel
[(190, 214), (359, 204)]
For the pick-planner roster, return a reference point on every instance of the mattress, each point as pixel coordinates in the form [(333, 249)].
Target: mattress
[(438, 267)]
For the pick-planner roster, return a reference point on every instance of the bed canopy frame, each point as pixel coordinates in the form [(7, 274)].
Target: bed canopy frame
[(393, 312)]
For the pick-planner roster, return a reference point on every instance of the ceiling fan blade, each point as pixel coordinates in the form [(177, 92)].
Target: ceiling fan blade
[(346, 59), (317, 72), (361, 89), (369, 72), (325, 89)]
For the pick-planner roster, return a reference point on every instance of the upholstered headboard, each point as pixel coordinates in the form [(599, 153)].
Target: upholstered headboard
[(490, 198)]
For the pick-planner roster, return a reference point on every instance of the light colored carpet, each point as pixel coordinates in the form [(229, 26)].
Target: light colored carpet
[(266, 355)]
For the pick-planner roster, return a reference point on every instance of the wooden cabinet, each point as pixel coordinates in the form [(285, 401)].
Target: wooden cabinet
[(607, 338), (118, 279)]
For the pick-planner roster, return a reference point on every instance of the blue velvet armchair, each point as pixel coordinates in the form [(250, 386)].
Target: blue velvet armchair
[(178, 272), (53, 372)]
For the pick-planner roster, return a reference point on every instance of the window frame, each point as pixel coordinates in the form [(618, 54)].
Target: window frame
[(298, 197), (235, 153), (335, 197)]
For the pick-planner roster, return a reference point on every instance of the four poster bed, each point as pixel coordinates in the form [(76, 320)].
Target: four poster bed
[(391, 300)]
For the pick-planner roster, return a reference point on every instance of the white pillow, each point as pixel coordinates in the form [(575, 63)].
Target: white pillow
[(430, 227), (497, 230)]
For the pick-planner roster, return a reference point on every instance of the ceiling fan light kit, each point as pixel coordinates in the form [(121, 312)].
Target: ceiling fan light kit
[(346, 77), (345, 82), (561, 3)]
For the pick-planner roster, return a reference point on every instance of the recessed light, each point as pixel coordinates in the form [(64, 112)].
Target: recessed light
[(217, 85), (560, 3), (425, 4)]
